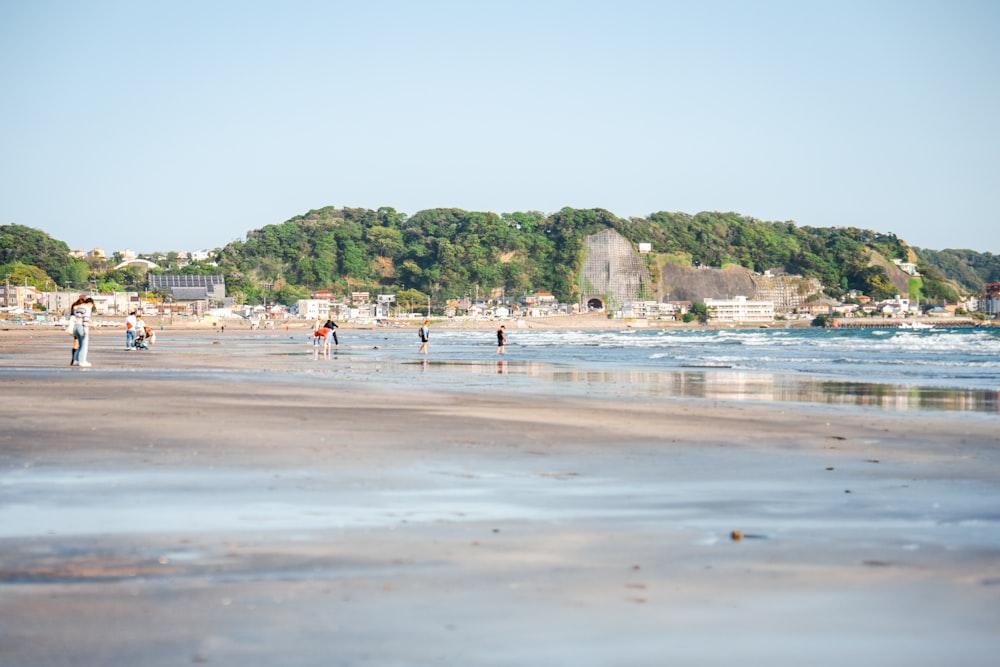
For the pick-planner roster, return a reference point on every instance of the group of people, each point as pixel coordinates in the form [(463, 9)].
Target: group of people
[(138, 336), (324, 333)]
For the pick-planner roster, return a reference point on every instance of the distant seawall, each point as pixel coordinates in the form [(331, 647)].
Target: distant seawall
[(889, 323)]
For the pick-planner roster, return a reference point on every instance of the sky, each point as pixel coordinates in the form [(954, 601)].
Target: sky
[(182, 125)]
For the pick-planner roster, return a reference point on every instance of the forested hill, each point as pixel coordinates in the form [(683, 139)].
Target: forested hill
[(32, 256), (452, 252)]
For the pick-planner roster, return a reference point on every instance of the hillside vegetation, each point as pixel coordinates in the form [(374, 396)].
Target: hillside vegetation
[(451, 252)]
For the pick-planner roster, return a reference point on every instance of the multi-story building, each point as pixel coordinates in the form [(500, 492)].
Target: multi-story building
[(23, 297), (740, 309)]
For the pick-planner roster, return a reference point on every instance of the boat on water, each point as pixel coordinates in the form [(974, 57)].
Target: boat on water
[(915, 325)]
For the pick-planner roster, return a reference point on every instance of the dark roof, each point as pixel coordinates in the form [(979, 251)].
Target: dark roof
[(170, 282)]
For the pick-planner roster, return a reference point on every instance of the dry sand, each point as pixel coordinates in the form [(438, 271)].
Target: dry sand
[(167, 518)]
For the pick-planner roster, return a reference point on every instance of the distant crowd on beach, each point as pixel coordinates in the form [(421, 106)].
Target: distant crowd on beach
[(140, 336)]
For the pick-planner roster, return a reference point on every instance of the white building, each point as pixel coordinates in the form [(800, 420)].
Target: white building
[(648, 310), (740, 310), (313, 309), (898, 305)]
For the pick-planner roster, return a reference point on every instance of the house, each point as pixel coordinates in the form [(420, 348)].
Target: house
[(18, 297), (545, 298), (846, 309), (894, 307), (817, 307), (538, 299)]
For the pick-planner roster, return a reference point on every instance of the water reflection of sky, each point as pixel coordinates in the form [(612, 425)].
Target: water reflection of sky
[(714, 384)]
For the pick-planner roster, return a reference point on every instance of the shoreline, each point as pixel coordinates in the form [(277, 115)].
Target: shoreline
[(381, 356), (586, 322)]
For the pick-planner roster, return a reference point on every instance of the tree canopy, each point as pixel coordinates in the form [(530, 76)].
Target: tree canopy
[(450, 252), (33, 247)]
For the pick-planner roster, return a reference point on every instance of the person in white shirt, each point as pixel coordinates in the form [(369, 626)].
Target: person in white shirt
[(130, 328), (80, 311)]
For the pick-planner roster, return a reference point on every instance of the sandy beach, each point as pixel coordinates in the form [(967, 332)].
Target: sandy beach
[(204, 508)]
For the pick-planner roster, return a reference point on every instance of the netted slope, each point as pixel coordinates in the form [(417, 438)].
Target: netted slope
[(612, 270)]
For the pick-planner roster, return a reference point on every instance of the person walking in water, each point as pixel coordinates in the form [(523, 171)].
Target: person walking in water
[(501, 341), (425, 334), (80, 311)]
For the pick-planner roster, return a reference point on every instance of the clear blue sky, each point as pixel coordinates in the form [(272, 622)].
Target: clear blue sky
[(181, 125)]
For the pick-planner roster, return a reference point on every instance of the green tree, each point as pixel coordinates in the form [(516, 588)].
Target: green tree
[(33, 247), (385, 241), (700, 312), (18, 273), (411, 299)]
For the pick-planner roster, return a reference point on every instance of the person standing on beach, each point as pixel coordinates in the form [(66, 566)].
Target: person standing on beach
[(425, 334), (71, 330), (80, 311), (331, 326), (130, 328), (501, 340)]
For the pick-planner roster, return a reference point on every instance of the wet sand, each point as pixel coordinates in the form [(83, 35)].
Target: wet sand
[(165, 510)]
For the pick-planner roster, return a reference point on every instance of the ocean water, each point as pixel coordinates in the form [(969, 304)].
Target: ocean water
[(953, 369), (952, 357)]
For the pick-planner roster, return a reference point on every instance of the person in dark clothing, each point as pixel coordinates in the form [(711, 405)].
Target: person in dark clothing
[(332, 327)]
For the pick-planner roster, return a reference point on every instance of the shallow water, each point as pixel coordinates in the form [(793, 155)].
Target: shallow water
[(946, 369), (951, 370)]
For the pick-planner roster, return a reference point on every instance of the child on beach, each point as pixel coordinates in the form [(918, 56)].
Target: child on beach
[(501, 340)]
